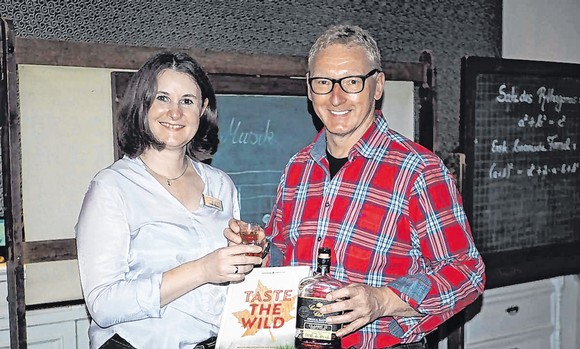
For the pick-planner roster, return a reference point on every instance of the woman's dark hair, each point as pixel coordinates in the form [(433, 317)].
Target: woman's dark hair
[(133, 131)]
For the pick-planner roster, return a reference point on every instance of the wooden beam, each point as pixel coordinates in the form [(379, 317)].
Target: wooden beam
[(96, 55), (12, 187), (404, 71), (49, 250), (428, 101)]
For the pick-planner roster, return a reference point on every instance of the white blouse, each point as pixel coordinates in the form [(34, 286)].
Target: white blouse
[(131, 230)]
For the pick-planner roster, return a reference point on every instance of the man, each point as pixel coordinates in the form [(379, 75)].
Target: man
[(387, 207)]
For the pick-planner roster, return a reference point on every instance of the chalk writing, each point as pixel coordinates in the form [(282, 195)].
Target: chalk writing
[(531, 121), (512, 96), (544, 170), (566, 145), (540, 121), (496, 172), (508, 170), (547, 95), (552, 144), (238, 135), (496, 147), (519, 147), (562, 121)]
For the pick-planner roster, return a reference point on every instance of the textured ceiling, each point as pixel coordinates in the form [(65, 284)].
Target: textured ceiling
[(449, 28)]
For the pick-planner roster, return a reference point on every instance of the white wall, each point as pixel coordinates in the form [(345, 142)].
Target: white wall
[(541, 30), (548, 31), (398, 107), (66, 137)]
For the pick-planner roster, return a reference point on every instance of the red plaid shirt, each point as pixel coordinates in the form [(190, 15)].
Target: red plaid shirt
[(392, 216)]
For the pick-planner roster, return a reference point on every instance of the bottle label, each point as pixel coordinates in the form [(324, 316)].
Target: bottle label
[(311, 323)]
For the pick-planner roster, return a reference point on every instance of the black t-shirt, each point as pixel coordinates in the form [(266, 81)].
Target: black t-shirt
[(335, 164)]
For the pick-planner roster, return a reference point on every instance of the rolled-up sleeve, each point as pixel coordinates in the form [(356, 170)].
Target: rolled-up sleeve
[(103, 238), (454, 272)]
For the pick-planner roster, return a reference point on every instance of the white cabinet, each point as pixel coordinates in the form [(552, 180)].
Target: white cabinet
[(543, 314), (523, 340), (53, 328), (570, 313), (511, 314)]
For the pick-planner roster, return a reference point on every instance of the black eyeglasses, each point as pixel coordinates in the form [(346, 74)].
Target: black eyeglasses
[(349, 84)]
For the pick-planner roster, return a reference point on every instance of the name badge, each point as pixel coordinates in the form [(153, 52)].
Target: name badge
[(212, 202)]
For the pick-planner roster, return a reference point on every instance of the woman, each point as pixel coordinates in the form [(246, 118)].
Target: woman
[(153, 260)]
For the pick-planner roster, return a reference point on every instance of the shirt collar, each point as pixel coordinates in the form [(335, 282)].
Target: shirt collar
[(368, 146)]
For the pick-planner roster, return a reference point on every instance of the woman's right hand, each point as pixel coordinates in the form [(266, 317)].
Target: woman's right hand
[(230, 264)]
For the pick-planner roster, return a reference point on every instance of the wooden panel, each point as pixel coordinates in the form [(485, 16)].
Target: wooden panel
[(49, 250), (12, 186), (82, 54), (95, 55)]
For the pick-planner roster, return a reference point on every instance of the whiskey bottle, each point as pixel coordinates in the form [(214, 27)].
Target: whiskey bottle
[(312, 331)]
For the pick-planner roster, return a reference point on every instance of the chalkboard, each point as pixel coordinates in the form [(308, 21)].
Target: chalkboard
[(258, 135), (520, 131)]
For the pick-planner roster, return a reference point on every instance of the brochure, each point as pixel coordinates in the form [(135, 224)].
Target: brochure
[(260, 312)]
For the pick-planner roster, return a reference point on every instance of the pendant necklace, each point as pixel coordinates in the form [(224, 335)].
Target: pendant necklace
[(167, 179)]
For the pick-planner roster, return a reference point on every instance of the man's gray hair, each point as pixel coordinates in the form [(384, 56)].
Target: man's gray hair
[(349, 35)]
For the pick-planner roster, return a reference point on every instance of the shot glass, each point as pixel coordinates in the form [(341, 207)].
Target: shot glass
[(249, 235)]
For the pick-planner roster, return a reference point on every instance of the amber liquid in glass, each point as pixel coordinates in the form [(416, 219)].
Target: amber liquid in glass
[(249, 235)]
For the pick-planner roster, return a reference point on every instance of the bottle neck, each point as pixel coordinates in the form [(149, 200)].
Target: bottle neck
[(323, 266)]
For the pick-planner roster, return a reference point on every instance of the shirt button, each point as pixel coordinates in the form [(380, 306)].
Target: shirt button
[(319, 238), (327, 204)]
